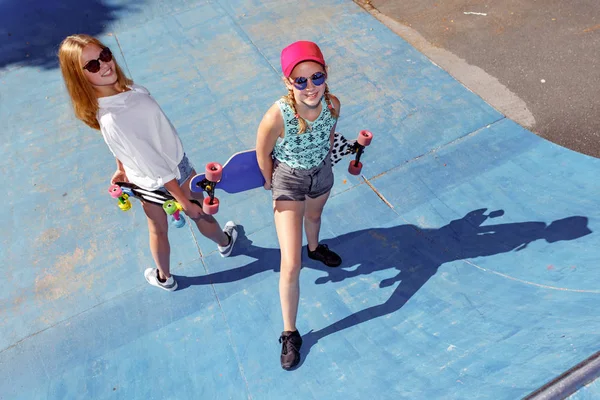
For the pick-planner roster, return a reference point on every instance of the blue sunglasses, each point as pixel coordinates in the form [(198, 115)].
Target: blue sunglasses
[(318, 78)]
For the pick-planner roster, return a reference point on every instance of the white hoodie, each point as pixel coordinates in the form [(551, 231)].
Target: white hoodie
[(141, 136)]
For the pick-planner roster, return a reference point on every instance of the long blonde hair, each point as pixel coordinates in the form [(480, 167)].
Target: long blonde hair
[(81, 91)]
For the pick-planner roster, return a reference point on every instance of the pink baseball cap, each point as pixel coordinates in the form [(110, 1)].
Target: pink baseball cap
[(297, 52)]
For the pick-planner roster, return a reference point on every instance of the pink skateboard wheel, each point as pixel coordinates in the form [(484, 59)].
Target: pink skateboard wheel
[(213, 171), (208, 208), (353, 168), (115, 191), (364, 138)]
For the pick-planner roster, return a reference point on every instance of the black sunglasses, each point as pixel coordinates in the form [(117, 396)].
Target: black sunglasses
[(94, 65), (318, 78)]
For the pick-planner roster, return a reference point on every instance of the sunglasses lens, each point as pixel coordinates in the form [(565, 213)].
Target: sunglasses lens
[(105, 55), (318, 79), (93, 66), (300, 83)]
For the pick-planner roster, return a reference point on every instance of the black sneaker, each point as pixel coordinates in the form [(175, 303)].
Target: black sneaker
[(326, 256), (290, 349)]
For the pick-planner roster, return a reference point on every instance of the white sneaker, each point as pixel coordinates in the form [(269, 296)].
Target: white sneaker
[(231, 230), (151, 275)]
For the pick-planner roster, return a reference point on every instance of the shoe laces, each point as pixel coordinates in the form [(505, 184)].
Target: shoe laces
[(229, 229), (321, 249), (288, 344)]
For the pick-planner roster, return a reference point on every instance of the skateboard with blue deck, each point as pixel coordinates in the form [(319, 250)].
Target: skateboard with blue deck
[(122, 191), (241, 172)]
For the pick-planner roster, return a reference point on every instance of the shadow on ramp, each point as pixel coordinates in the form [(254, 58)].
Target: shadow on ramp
[(415, 252)]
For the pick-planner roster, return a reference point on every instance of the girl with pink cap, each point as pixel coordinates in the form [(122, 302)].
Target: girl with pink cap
[(293, 146)]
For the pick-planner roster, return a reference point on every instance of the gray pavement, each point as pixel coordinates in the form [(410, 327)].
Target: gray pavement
[(535, 61)]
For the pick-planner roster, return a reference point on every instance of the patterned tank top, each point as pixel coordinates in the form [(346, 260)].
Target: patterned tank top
[(309, 149)]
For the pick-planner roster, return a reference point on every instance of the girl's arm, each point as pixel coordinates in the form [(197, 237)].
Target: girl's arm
[(269, 130), (119, 175), (337, 105)]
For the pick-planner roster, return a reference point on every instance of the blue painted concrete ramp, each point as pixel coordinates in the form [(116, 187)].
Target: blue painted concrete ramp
[(470, 245)]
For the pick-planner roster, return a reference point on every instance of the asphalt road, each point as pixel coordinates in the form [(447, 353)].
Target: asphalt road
[(538, 62)]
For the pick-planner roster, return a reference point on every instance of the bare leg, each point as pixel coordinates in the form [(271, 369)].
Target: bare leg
[(159, 239), (288, 222), (312, 219)]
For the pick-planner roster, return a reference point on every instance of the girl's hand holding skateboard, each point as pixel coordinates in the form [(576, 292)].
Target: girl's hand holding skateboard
[(119, 176), (193, 211)]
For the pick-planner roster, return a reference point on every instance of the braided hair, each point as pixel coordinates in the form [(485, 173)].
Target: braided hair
[(302, 125)]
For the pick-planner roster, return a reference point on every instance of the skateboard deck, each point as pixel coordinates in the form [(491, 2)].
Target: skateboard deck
[(153, 196), (239, 173), (124, 190), (341, 147)]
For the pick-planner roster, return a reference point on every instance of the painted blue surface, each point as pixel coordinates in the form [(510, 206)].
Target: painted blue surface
[(478, 280)]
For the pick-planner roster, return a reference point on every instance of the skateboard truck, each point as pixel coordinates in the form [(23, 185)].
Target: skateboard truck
[(358, 147), (116, 193), (213, 174)]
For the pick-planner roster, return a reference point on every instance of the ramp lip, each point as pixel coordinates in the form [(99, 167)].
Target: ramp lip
[(569, 381)]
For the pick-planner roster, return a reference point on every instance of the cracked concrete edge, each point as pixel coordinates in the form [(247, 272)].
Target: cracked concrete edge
[(472, 77)]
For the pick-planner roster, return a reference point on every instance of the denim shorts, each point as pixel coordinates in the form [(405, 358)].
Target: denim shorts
[(185, 171), (295, 184)]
